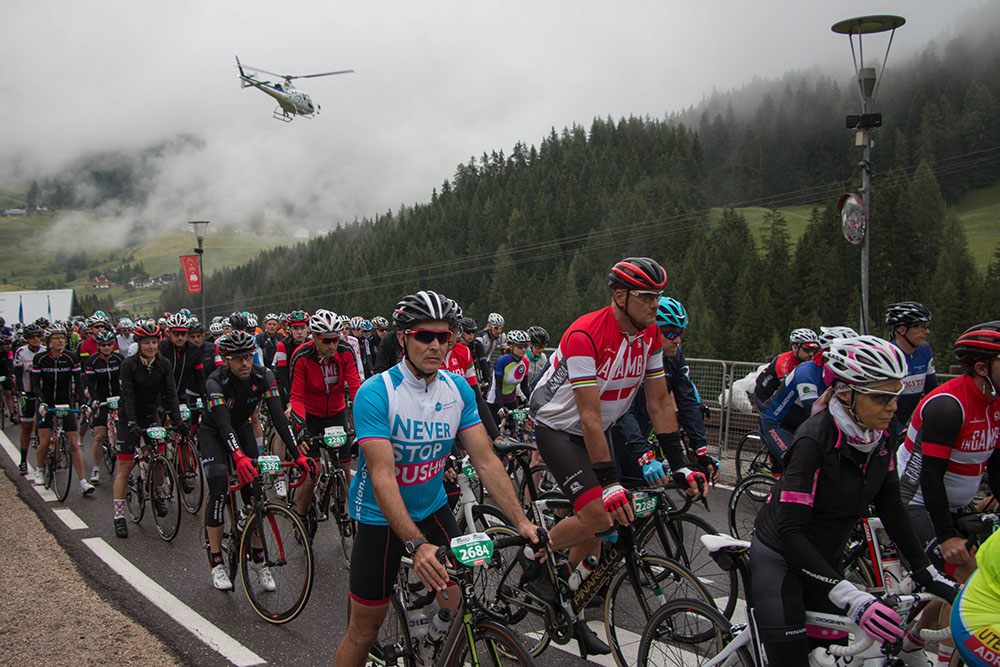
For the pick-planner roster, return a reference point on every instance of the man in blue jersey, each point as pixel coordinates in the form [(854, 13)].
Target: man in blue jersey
[(909, 324), (792, 404), (406, 420)]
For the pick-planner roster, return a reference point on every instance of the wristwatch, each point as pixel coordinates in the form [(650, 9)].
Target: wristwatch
[(413, 545)]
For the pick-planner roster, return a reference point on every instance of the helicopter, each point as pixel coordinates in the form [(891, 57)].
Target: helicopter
[(291, 101)]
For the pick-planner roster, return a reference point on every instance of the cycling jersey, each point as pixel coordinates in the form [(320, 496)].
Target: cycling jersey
[(269, 347), (318, 383), (421, 422), (24, 358), (54, 378), (124, 345), (793, 404), (146, 387), (459, 361), (975, 616), (958, 424), (188, 370), (356, 346), (536, 366), (770, 379), (594, 351), (508, 373), (919, 381), (103, 376)]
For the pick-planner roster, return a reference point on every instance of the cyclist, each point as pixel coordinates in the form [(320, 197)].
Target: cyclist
[(269, 339), (24, 358), (208, 345), (185, 361), (147, 383), (196, 334), (805, 345), (55, 380), (593, 375), (234, 393), (320, 371), (345, 321), (102, 372), (975, 617), (124, 338), (909, 324), (458, 360), (840, 462), (363, 332), (493, 340), (792, 404), (633, 454), (397, 496), (538, 338), (950, 443), (509, 373), (380, 326), (7, 371), (467, 337)]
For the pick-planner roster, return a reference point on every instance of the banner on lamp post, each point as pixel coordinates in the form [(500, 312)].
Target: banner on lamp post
[(192, 276)]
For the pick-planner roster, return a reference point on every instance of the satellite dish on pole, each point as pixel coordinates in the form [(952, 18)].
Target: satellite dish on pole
[(853, 218)]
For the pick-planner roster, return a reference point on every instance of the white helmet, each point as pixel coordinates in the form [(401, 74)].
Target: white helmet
[(325, 322), (357, 322), (126, 323), (829, 334), (864, 360), (216, 329), (803, 336), (517, 337), (495, 320)]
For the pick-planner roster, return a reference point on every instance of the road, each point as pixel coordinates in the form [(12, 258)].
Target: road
[(167, 587)]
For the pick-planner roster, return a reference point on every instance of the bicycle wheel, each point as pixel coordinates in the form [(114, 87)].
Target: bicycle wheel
[(345, 524), (166, 503), (135, 495), (110, 457), (483, 517), (393, 645), (687, 632), (229, 540), (278, 584), (190, 477), (747, 499), (752, 457), (544, 483), (491, 644), (629, 604), (62, 466), (683, 544)]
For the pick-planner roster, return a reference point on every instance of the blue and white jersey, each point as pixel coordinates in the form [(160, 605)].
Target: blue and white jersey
[(420, 421), (793, 403), (920, 379)]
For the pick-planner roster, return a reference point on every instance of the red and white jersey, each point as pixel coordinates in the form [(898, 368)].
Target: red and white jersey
[(594, 351), (459, 362), (24, 361), (356, 346)]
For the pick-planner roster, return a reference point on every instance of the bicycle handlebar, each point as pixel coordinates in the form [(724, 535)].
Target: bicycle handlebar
[(865, 641), (284, 464)]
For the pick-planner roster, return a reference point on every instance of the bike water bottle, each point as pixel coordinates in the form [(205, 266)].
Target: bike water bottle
[(438, 628), (418, 622), (582, 571)]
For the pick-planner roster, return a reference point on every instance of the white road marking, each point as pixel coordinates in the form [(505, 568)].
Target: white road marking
[(196, 624), (69, 517), (15, 455)]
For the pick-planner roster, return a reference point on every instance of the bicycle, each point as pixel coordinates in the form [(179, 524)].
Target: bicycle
[(153, 476), (59, 460), (470, 513), (285, 549), (474, 636), (330, 492), (747, 499), (688, 632), (108, 447), (185, 458), (753, 457)]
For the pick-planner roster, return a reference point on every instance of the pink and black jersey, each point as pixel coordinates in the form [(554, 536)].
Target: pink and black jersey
[(594, 351)]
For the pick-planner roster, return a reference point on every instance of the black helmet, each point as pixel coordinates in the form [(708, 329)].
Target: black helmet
[(467, 325), (237, 342), (31, 330), (194, 326), (979, 342), (538, 335), (42, 322), (637, 273), (146, 329), (105, 336), (906, 313), (425, 306), (239, 321)]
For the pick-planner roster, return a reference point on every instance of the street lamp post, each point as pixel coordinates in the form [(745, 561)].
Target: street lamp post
[(868, 120), (199, 233)]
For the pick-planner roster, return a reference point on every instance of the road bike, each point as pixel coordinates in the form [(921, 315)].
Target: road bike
[(184, 456), (153, 477), (109, 446), (330, 491), (753, 457), (270, 547), (59, 460)]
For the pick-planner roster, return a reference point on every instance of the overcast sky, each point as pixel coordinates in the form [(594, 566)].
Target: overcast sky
[(435, 83)]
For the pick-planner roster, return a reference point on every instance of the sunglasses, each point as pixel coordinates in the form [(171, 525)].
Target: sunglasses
[(382, 329), (671, 335), (243, 356), (427, 337), (34, 336), (329, 341), (105, 345), (647, 296), (879, 396)]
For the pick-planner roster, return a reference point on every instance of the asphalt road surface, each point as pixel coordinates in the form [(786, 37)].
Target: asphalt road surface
[(166, 586)]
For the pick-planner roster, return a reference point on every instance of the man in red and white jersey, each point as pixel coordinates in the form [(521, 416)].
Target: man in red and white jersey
[(594, 375)]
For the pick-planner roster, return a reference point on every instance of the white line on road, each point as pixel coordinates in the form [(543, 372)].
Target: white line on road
[(69, 517), (15, 456), (196, 624)]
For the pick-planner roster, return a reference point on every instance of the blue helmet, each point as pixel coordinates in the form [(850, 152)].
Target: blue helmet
[(671, 313)]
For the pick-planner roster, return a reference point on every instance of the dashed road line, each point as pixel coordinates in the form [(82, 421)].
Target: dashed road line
[(69, 517)]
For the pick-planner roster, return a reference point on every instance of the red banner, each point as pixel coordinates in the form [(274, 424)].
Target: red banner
[(189, 264)]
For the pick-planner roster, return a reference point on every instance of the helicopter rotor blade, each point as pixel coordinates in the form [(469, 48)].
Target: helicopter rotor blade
[(311, 76), (264, 71)]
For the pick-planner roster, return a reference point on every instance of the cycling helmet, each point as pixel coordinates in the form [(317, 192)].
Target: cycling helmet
[(226, 323), (829, 334), (237, 342), (42, 322), (978, 343), (380, 322), (325, 322), (55, 330), (216, 329), (185, 312), (865, 360), (537, 335), (239, 321), (6, 339), (251, 322), (178, 322), (101, 314), (298, 317), (906, 313), (217, 318), (194, 326), (31, 330), (126, 323), (468, 325), (366, 325), (104, 337), (495, 320), (805, 337), (91, 321), (424, 306), (517, 337), (671, 313), (357, 322), (145, 329), (271, 316), (637, 273), (345, 320)]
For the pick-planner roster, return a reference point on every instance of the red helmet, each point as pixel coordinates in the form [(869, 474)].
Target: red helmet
[(146, 329), (637, 273), (979, 342)]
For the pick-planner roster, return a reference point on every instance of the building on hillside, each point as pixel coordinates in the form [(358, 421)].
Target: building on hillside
[(101, 282), (14, 213)]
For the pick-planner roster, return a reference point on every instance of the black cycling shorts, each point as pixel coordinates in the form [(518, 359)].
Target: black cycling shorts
[(99, 417), (567, 459), (29, 403), (377, 552), (127, 442), (316, 426), (69, 421)]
